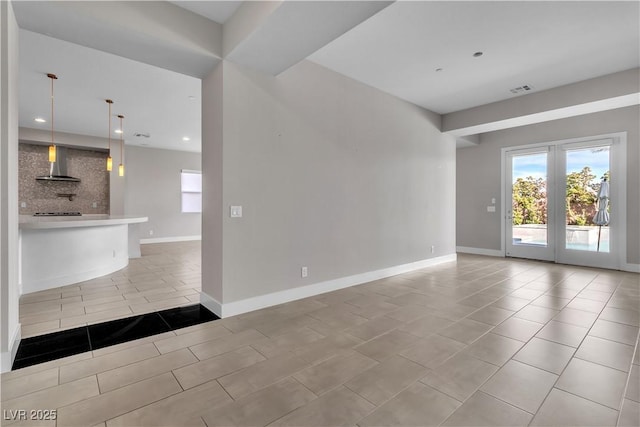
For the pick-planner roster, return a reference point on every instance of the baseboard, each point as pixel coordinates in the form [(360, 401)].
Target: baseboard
[(281, 297), (632, 268), (169, 239), (7, 358), (211, 303), (479, 251)]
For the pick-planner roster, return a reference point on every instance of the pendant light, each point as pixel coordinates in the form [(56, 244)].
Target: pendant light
[(109, 159), (121, 167), (52, 147)]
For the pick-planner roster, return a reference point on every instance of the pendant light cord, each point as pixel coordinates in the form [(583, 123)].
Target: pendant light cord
[(52, 77), (109, 102), (121, 136), (52, 140)]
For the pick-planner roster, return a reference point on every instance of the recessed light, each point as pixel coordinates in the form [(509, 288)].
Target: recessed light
[(192, 98), (186, 138), (478, 54), (40, 120), (438, 70), (118, 131)]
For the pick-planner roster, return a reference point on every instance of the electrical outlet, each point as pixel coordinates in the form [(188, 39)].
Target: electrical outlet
[(150, 232), (305, 271), (114, 253), (94, 205), (235, 211), (433, 249), (23, 204)]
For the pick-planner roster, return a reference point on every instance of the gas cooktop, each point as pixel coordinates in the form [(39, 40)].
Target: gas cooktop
[(57, 214)]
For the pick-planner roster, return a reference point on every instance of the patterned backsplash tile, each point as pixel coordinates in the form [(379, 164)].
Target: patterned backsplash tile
[(42, 196)]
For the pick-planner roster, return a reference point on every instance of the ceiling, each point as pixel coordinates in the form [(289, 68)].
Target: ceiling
[(543, 44), (154, 101), (398, 50), (217, 11)]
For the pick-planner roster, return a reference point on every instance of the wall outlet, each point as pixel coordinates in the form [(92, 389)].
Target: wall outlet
[(433, 249), (150, 232), (114, 253), (23, 204), (235, 211), (94, 205), (491, 208), (304, 271)]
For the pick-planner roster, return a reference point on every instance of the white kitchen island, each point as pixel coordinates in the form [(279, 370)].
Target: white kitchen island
[(59, 251)]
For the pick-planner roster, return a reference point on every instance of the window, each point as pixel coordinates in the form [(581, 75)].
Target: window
[(191, 185)]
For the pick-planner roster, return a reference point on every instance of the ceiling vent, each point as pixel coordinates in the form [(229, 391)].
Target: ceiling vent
[(141, 135), (521, 89)]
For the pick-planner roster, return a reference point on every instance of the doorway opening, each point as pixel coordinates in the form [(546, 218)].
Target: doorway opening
[(565, 201)]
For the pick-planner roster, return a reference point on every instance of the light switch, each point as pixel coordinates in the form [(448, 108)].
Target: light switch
[(236, 212), (491, 208), (493, 200)]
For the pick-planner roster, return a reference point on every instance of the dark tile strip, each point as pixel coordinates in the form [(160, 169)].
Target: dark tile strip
[(56, 345)]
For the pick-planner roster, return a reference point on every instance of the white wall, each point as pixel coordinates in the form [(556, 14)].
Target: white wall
[(478, 173), (153, 190), (9, 292), (332, 174)]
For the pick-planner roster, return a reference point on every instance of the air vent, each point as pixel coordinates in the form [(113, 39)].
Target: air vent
[(141, 135), (521, 89)]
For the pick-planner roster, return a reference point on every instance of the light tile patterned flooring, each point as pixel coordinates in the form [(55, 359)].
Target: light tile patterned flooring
[(480, 341), (166, 276)]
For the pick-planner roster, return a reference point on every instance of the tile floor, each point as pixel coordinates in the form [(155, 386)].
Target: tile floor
[(481, 341), (166, 276), (56, 345)]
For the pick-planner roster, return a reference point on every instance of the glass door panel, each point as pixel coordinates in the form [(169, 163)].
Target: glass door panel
[(586, 222), (528, 229), (586, 228)]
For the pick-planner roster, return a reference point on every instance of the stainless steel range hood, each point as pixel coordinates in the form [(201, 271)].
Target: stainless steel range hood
[(58, 169)]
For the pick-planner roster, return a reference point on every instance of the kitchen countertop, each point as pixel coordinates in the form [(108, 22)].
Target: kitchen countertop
[(28, 222)]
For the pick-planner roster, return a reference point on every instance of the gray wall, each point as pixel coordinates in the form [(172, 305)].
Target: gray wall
[(152, 189), (212, 182), (478, 173), (9, 292), (332, 174)]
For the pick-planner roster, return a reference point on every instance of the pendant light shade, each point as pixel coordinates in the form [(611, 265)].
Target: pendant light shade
[(109, 159), (52, 147), (52, 153), (121, 167)]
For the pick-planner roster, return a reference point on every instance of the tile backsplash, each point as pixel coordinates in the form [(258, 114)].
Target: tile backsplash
[(42, 196)]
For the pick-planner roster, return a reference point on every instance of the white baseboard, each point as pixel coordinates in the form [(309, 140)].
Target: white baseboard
[(7, 358), (170, 239), (211, 304), (479, 251), (632, 268), (281, 297)]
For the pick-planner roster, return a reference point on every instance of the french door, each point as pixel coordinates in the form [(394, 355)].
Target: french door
[(552, 202)]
